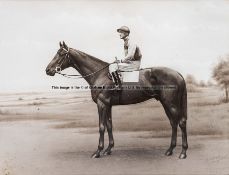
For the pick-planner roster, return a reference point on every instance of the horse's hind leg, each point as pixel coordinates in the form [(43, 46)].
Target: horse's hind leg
[(171, 112), (182, 125), (173, 139), (110, 133)]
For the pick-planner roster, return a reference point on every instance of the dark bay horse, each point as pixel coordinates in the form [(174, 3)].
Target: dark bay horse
[(95, 72)]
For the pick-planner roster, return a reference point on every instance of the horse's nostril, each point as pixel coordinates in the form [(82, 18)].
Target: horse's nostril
[(47, 70)]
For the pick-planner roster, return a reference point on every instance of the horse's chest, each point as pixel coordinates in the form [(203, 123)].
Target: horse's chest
[(103, 96), (94, 96)]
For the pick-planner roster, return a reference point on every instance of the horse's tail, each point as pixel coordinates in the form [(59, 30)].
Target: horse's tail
[(183, 102)]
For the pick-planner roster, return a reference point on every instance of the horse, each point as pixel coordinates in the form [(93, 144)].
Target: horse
[(96, 71)]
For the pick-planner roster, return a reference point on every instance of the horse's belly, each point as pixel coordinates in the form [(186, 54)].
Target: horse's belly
[(130, 97)]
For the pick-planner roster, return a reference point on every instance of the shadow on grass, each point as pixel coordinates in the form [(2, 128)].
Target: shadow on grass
[(128, 153)]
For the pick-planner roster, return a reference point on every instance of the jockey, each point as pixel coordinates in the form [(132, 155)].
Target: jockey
[(132, 58)]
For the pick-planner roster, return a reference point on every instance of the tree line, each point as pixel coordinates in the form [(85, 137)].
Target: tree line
[(220, 73)]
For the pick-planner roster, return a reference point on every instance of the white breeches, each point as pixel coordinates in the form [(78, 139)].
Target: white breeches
[(133, 65)]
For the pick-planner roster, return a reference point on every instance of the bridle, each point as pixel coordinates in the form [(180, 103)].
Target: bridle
[(61, 61), (76, 76)]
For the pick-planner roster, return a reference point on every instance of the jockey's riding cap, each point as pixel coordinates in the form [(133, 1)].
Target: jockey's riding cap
[(123, 29)]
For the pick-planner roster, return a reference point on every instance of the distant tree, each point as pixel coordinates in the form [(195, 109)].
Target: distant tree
[(190, 79), (192, 85), (210, 83), (202, 83), (221, 74)]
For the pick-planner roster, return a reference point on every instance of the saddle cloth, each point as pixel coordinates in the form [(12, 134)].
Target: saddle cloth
[(130, 76)]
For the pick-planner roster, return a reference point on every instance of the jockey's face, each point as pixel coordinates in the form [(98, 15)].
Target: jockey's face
[(123, 35)]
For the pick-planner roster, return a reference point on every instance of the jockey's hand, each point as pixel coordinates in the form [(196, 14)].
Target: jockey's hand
[(125, 61), (116, 60)]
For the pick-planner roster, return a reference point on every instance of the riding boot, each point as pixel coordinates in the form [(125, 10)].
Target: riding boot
[(114, 78), (118, 79)]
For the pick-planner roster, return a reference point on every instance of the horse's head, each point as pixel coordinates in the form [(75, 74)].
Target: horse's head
[(60, 61)]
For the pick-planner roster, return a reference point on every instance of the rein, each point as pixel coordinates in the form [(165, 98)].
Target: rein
[(78, 76)]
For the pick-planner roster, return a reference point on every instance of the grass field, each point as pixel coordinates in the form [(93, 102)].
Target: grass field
[(56, 133), (206, 114)]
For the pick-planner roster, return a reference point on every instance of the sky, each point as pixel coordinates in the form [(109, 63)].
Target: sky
[(188, 36)]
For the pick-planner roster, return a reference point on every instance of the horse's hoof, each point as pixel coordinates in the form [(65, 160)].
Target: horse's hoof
[(182, 156), (168, 153), (107, 152), (95, 155)]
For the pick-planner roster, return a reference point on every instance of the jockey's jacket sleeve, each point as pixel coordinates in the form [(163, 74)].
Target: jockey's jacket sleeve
[(131, 52)]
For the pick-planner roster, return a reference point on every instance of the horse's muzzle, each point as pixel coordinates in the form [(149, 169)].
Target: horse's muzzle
[(50, 72)]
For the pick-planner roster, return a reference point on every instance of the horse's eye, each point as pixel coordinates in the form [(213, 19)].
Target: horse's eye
[(61, 54)]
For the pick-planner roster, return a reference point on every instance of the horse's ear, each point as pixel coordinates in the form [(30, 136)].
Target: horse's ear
[(60, 44), (65, 46)]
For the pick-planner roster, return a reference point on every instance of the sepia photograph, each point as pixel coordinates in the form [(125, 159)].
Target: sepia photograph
[(132, 87)]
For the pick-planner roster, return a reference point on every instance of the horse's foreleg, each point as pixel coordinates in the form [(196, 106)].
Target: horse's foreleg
[(109, 130), (102, 108), (182, 125)]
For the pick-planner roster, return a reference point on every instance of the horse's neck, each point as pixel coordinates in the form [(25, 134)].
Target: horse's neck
[(86, 64)]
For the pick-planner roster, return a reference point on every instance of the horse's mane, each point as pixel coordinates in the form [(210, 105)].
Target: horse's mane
[(92, 57)]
